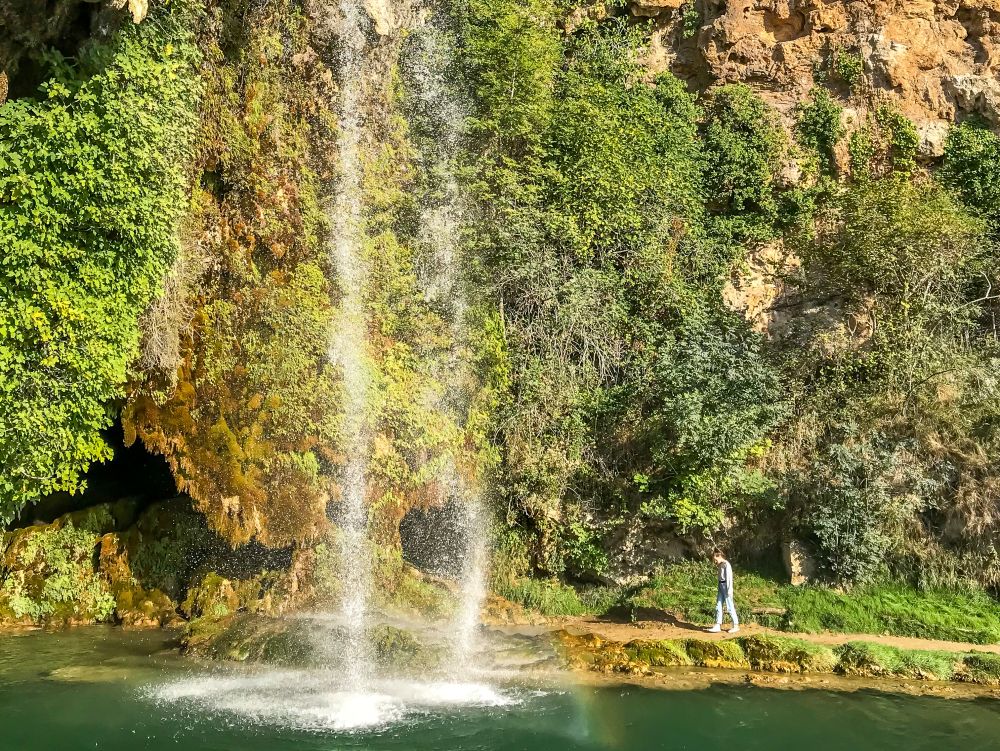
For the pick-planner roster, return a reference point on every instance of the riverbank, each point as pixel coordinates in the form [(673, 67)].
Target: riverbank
[(653, 652)]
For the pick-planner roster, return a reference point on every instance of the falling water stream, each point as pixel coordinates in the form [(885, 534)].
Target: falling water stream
[(349, 346), (345, 691), (440, 237)]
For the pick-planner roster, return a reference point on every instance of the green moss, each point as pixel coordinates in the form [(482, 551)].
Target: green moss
[(874, 660), (778, 654), (245, 637), (659, 654), (726, 654)]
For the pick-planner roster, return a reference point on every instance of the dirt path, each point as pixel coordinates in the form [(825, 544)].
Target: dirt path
[(660, 629)]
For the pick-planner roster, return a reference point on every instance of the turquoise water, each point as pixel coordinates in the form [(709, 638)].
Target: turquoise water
[(101, 689)]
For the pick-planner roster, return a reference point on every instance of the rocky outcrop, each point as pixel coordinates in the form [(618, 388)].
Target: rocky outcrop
[(799, 562), (774, 654), (937, 59)]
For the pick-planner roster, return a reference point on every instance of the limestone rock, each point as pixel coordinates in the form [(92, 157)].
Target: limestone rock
[(382, 15), (138, 8), (933, 134), (799, 563), (934, 59), (651, 8)]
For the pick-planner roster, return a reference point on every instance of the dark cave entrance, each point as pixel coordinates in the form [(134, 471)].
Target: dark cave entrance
[(132, 473)]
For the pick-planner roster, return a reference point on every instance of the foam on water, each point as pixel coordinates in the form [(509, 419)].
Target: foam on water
[(313, 700)]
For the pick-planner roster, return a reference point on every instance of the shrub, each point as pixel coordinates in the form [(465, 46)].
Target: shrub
[(744, 145), (972, 168), (52, 576), (819, 127), (91, 189)]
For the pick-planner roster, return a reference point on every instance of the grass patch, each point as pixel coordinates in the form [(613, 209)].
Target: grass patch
[(954, 616), (980, 668), (867, 659), (553, 598), (688, 591)]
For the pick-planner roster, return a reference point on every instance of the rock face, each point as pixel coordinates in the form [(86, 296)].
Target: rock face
[(938, 59), (799, 563)]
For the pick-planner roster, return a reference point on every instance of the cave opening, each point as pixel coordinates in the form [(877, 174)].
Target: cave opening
[(132, 473)]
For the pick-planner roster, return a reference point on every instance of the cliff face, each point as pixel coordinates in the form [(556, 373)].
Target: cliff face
[(936, 59), (599, 237)]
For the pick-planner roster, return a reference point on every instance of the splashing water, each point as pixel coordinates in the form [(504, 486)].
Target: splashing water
[(440, 236), (348, 349), (318, 701)]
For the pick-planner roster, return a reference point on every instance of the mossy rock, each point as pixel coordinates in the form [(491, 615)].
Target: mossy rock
[(665, 653), (394, 647), (591, 652), (48, 577), (776, 654), (980, 667), (250, 638), (879, 660), (299, 642), (726, 654)]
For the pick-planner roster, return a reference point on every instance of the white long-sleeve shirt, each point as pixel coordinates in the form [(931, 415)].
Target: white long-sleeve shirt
[(726, 576)]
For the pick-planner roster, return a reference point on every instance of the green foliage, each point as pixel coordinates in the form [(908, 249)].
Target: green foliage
[(91, 190), (690, 19), (972, 168), (849, 67), (581, 548), (49, 575), (857, 504), (597, 252), (819, 127), (910, 269), (744, 146), (887, 143), (514, 48)]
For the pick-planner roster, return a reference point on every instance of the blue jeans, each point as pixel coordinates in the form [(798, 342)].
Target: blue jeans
[(725, 599)]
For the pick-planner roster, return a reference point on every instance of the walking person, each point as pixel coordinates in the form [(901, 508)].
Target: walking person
[(724, 598)]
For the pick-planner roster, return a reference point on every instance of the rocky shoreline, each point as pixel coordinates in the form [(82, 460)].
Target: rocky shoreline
[(781, 662)]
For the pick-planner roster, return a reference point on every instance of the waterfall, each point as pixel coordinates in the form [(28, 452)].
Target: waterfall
[(349, 347), (440, 238)]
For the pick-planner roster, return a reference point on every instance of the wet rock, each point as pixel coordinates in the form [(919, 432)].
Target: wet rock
[(382, 15), (302, 642)]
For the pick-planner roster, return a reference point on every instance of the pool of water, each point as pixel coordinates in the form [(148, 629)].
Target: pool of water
[(104, 689)]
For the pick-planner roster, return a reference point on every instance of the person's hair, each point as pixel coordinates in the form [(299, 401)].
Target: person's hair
[(719, 552)]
